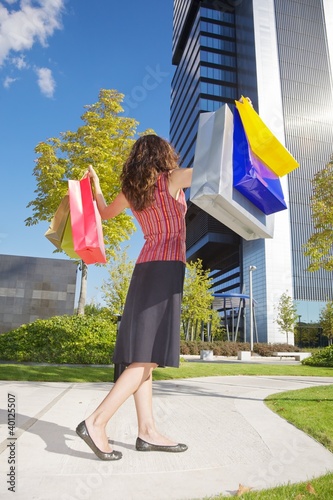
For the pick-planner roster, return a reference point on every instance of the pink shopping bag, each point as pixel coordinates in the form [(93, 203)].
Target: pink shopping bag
[(86, 222)]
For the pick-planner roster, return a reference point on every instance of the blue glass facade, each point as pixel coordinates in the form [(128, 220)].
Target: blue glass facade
[(277, 53), (205, 78)]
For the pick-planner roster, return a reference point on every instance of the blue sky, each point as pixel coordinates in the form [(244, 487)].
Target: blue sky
[(55, 56)]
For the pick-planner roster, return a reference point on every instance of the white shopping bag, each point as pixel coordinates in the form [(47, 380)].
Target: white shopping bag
[(212, 183)]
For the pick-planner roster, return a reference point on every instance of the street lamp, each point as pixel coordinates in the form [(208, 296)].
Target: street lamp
[(251, 269)]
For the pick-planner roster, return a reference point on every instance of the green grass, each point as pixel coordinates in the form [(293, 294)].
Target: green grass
[(42, 373), (322, 490), (63, 373), (308, 409), (191, 370)]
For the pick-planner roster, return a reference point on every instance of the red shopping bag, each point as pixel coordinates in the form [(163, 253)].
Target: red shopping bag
[(86, 222)]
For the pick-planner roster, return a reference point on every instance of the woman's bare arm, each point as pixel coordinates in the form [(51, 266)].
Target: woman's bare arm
[(115, 207)]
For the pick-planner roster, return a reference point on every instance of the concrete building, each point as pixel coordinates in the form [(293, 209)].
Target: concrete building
[(34, 288), (279, 53)]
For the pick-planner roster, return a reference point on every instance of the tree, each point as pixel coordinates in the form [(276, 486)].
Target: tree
[(93, 309), (197, 300), (326, 321), (287, 314), (103, 140), (319, 246), (116, 287)]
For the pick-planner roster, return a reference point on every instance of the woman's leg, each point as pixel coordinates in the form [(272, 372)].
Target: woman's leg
[(126, 385), (144, 409)]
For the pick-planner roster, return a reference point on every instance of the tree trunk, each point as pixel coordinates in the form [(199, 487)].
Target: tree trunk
[(187, 334), (83, 289)]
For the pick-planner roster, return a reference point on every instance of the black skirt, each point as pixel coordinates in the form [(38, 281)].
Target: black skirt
[(149, 330)]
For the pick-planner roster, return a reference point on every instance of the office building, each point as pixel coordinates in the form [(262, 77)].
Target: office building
[(279, 53), (34, 288)]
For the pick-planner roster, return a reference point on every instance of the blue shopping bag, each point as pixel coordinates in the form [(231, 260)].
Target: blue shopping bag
[(251, 177)]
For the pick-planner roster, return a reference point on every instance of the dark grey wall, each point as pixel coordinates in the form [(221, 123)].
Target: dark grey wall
[(34, 288)]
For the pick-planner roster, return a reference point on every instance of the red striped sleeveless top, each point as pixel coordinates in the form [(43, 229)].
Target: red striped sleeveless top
[(163, 226)]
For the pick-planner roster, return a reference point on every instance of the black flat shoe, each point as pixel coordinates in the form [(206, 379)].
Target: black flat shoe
[(142, 445), (82, 431)]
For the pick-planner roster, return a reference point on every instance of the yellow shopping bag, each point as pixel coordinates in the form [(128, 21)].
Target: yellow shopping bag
[(58, 223), (60, 230), (263, 142), (67, 243)]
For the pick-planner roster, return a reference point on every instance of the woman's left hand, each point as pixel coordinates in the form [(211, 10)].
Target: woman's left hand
[(92, 174)]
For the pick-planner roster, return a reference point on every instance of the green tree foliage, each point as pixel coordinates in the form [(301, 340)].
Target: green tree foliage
[(319, 246), (93, 309), (104, 141), (286, 314), (197, 301), (116, 287), (326, 321)]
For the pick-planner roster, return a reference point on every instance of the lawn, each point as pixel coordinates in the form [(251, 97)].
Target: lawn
[(318, 489), (64, 373), (308, 409)]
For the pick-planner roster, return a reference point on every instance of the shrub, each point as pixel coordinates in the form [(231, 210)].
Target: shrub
[(268, 349), (219, 348), (323, 357), (61, 339), (226, 348)]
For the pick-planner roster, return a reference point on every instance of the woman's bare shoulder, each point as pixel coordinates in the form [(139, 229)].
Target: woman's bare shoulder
[(181, 178)]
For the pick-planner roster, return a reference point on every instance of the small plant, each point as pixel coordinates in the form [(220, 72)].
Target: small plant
[(286, 315), (322, 357)]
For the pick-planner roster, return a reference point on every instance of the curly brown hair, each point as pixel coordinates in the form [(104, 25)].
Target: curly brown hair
[(150, 156)]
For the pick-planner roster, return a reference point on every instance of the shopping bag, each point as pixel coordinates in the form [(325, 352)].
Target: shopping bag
[(263, 142), (86, 222), (212, 182), (251, 177), (58, 223), (67, 243)]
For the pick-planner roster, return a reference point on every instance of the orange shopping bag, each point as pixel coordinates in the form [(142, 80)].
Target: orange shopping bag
[(86, 222)]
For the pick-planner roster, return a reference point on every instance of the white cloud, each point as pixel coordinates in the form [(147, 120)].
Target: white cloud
[(20, 29), (45, 81), (8, 81), (19, 62)]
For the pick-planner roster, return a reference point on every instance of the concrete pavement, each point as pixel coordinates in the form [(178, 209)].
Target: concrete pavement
[(233, 439)]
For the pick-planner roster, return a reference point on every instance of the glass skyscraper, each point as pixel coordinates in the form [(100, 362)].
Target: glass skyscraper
[(279, 53)]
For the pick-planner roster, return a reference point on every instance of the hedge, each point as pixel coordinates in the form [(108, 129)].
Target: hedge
[(224, 348), (61, 339)]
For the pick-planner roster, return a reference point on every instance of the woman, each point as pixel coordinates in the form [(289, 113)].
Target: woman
[(149, 331)]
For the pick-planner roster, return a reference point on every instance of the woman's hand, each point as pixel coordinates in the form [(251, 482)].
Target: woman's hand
[(92, 174)]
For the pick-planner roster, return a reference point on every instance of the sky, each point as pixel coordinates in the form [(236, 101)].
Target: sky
[(55, 57)]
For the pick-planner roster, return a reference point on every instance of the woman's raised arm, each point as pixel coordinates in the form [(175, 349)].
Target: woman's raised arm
[(115, 207)]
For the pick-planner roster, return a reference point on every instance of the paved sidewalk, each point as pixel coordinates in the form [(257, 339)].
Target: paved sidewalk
[(232, 437)]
